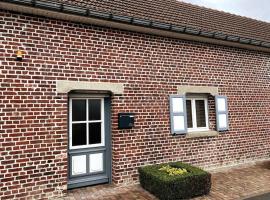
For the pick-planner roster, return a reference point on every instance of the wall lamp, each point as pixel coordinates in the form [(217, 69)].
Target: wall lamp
[(19, 55)]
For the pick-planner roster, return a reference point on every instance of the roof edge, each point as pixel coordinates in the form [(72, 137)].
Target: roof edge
[(68, 12)]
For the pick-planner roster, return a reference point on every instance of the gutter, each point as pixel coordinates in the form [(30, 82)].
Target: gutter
[(73, 13)]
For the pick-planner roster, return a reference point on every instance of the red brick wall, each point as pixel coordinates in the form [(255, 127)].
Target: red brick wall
[(33, 116)]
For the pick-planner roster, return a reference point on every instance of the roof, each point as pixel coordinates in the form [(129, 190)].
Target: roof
[(170, 15), (181, 13)]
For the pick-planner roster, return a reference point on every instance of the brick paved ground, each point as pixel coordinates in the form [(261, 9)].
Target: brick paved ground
[(228, 184)]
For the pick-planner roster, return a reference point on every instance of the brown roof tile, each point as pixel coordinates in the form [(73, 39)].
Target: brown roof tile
[(180, 13)]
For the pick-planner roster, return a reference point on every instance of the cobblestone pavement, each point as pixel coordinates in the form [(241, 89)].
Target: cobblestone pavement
[(229, 184)]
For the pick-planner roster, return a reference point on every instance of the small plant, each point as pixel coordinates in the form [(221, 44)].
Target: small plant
[(172, 171), (174, 181)]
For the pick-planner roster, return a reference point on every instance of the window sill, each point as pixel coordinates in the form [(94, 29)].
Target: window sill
[(202, 134)]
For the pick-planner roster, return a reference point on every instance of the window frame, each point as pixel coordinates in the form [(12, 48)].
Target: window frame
[(195, 128), (87, 121)]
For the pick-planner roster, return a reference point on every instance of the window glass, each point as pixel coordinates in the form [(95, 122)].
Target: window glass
[(79, 110), (94, 109), (94, 133), (86, 122), (200, 113), (78, 134), (189, 114)]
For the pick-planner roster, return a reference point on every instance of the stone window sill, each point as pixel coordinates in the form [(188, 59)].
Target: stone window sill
[(202, 134)]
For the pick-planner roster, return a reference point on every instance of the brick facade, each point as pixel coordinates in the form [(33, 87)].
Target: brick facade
[(33, 117)]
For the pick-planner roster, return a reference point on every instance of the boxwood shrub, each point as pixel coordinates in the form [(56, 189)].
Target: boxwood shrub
[(194, 183)]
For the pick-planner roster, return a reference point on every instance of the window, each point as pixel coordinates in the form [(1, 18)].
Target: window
[(190, 114), (86, 122), (197, 114)]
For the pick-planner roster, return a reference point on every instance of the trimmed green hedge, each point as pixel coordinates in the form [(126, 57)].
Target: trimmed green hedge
[(194, 183)]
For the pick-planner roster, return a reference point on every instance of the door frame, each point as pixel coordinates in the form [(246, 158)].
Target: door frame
[(79, 181)]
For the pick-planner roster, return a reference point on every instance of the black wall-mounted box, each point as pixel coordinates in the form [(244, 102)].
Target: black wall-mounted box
[(125, 120)]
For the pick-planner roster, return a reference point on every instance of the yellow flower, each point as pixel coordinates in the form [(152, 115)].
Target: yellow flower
[(172, 170)]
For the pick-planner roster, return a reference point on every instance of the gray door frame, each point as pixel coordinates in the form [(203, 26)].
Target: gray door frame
[(100, 177)]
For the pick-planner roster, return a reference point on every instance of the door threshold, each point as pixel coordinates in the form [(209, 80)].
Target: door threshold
[(87, 182)]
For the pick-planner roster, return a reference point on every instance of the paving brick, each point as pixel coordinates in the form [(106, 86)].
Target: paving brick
[(231, 184)]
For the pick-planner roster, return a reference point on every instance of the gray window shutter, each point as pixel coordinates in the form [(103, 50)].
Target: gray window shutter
[(222, 113), (178, 114)]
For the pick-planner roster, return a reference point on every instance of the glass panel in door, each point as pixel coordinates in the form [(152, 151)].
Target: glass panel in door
[(87, 123)]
